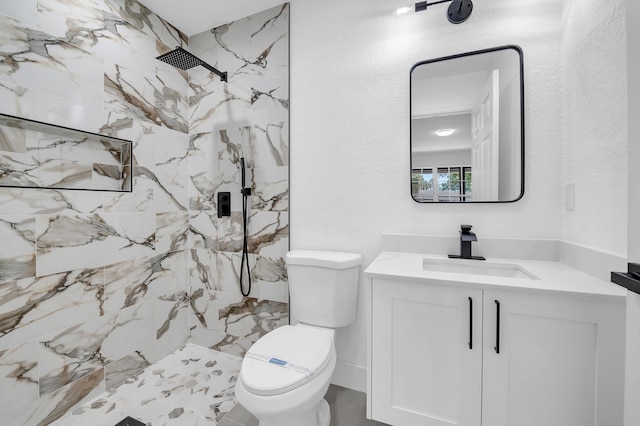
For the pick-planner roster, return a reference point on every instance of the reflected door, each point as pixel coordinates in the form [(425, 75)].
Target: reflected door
[(485, 143)]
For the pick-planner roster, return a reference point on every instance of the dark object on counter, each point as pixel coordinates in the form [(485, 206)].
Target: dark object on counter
[(630, 279)]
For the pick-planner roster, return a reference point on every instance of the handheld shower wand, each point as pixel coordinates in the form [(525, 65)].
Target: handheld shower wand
[(246, 193)]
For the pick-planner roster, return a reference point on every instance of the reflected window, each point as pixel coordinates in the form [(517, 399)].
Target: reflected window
[(448, 184)]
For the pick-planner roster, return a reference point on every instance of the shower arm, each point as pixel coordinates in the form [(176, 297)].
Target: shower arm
[(221, 74)]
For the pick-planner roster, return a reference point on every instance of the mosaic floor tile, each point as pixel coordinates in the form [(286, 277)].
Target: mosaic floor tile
[(192, 386)]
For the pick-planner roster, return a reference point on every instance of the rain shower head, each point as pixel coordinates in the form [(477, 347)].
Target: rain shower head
[(184, 60)]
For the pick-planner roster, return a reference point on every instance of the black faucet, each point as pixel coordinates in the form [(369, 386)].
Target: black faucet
[(466, 237)]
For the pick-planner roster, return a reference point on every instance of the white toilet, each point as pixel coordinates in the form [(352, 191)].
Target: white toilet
[(285, 374)]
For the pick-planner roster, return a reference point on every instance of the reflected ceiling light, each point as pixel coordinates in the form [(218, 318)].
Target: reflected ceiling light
[(458, 12), (445, 132)]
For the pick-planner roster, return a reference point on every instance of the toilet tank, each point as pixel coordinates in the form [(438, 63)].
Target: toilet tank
[(323, 286)]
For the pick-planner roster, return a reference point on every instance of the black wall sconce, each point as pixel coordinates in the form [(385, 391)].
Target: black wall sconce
[(458, 12)]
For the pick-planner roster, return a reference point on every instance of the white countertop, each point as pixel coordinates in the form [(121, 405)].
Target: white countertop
[(549, 276)]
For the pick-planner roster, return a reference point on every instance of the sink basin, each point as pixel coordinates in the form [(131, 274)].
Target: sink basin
[(477, 267)]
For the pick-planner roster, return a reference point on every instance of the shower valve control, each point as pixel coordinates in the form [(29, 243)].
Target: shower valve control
[(224, 204), (245, 191)]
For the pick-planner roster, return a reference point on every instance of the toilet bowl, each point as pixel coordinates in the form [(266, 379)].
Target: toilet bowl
[(286, 373), (281, 395)]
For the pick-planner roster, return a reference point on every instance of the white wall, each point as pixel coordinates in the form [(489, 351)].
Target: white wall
[(350, 64), (632, 389), (595, 133), (633, 66)]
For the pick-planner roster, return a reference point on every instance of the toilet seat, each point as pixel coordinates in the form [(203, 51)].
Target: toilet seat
[(285, 359)]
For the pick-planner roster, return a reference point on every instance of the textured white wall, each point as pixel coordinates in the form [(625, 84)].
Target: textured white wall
[(633, 66), (595, 138), (632, 389), (350, 62)]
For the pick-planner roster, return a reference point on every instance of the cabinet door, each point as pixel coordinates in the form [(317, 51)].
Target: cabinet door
[(423, 370), (552, 360)]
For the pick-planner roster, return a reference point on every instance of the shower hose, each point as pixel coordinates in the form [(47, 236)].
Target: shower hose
[(246, 193)]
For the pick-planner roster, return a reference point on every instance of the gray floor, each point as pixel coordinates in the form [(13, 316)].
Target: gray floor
[(348, 408)]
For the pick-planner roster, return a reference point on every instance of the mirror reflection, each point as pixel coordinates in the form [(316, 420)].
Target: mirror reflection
[(467, 130)]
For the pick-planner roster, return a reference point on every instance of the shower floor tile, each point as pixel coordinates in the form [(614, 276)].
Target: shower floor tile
[(192, 386)]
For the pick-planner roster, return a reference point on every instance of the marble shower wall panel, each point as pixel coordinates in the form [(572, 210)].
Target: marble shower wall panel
[(23, 11), (17, 100), (122, 31), (73, 353), (19, 379), (246, 117), (269, 145), (45, 201), (68, 242), (17, 255), (239, 330), (240, 323), (270, 189), (269, 75), (34, 59), (54, 405), (268, 233), (132, 282), (22, 101), (93, 285), (172, 231), (223, 107), (172, 323), (138, 15), (32, 307), (160, 99), (171, 168), (208, 231), (215, 286), (204, 176)]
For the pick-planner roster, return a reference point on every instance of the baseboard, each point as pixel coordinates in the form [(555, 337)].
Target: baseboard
[(350, 376)]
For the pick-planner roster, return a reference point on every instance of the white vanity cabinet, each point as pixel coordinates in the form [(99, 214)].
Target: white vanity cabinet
[(422, 369), (474, 355), (559, 362)]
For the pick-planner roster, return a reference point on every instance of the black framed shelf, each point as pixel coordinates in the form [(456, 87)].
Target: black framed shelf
[(39, 155)]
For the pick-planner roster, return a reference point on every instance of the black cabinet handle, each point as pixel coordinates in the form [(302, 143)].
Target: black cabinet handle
[(470, 323), (497, 347)]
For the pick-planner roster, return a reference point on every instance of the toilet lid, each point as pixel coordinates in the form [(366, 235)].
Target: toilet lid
[(284, 359)]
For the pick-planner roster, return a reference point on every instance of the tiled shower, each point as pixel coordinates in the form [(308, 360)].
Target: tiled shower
[(95, 286)]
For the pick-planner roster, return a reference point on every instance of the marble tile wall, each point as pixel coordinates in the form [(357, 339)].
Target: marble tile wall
[(95, 286), (247, 117)]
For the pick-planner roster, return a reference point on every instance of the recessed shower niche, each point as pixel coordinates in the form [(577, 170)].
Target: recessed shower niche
[(34, 154)]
